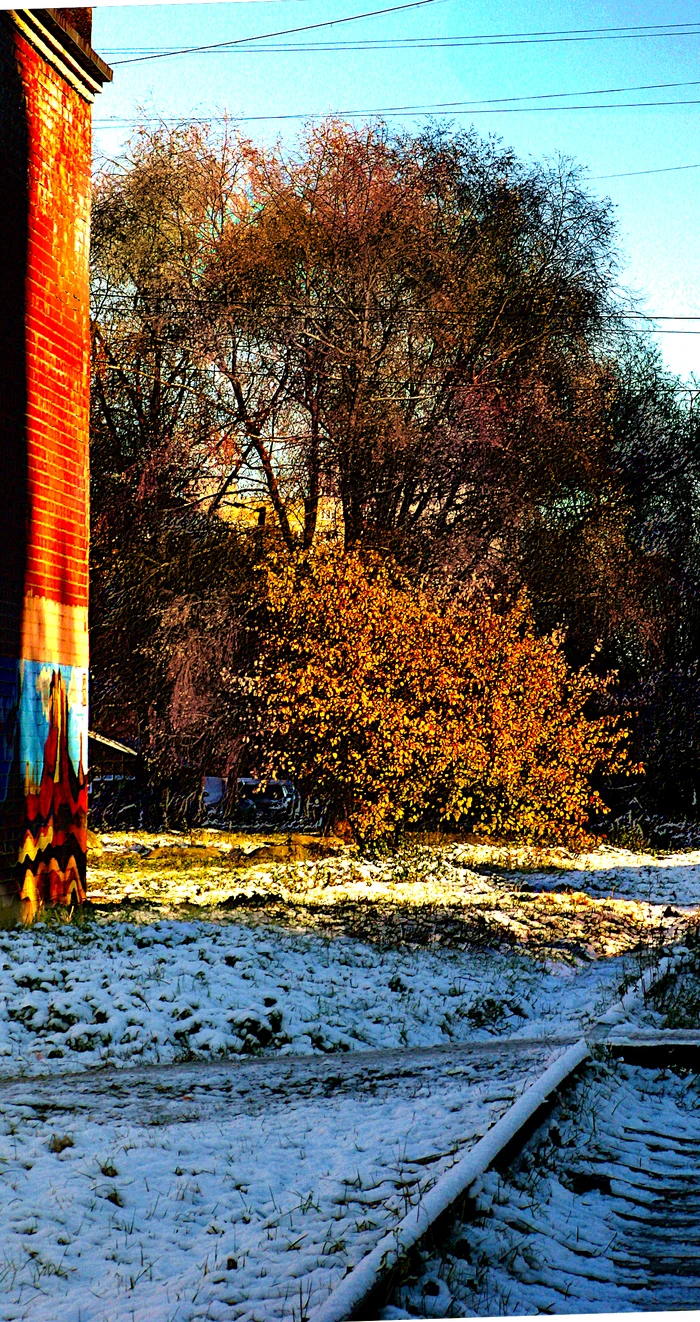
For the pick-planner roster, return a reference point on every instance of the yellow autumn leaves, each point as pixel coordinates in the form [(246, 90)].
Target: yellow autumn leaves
[(398, 708)]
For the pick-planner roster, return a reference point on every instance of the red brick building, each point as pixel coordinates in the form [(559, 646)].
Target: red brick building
[(49, 76)]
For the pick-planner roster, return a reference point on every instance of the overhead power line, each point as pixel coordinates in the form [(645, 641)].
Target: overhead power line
[(638, 31), (390, 113), (429, 108), (171, 299), (617, 317), (461, 107), (283, 32), (116, 122), (551, 96), (634, 174)]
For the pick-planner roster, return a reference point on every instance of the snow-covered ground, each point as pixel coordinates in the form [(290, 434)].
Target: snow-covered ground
[(192, 1122), (188, 1194), (125, 993), (606, 871)]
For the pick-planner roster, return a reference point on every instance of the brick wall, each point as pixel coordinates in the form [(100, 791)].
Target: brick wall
[(48, 76)]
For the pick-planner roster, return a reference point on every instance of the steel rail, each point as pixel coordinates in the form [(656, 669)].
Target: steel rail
[(362, 1280), (359, 1283)]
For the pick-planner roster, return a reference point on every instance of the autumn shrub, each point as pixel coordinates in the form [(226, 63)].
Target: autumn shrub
[(392, 704)]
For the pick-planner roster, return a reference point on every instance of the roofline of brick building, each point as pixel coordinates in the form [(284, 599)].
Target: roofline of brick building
[(51, 34)]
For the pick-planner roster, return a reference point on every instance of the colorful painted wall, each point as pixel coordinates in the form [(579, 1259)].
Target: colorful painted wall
[(49, 76)]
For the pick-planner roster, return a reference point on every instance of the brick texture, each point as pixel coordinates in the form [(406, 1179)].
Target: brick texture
[(45, 159), (57, 331)]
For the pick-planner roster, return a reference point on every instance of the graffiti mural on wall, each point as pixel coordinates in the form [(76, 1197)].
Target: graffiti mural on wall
[(43, 778), (53, 756)]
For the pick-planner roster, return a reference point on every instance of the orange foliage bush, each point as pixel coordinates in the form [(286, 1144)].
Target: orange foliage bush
[(390, 703)]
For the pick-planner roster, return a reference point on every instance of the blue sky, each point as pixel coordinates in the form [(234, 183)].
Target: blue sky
[(658, 214)]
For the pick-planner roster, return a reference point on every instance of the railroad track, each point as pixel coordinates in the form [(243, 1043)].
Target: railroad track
[(599, 1210), (176, 1159), (584, 1197)]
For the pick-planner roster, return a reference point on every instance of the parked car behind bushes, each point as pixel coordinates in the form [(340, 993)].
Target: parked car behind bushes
[(259, 803)]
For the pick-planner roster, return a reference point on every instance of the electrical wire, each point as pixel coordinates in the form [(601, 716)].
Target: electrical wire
[(429, 108), (117, 122), (680, 29), (637, 31), (620, 315), (283, 32), (391, 114), (635, 174), (500, 105)]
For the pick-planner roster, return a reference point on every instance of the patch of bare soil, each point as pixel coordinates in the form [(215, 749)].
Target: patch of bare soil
[(418, 896), (126, 850)]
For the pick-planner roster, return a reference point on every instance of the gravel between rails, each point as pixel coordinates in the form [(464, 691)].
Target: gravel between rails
[(599, 1212)]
